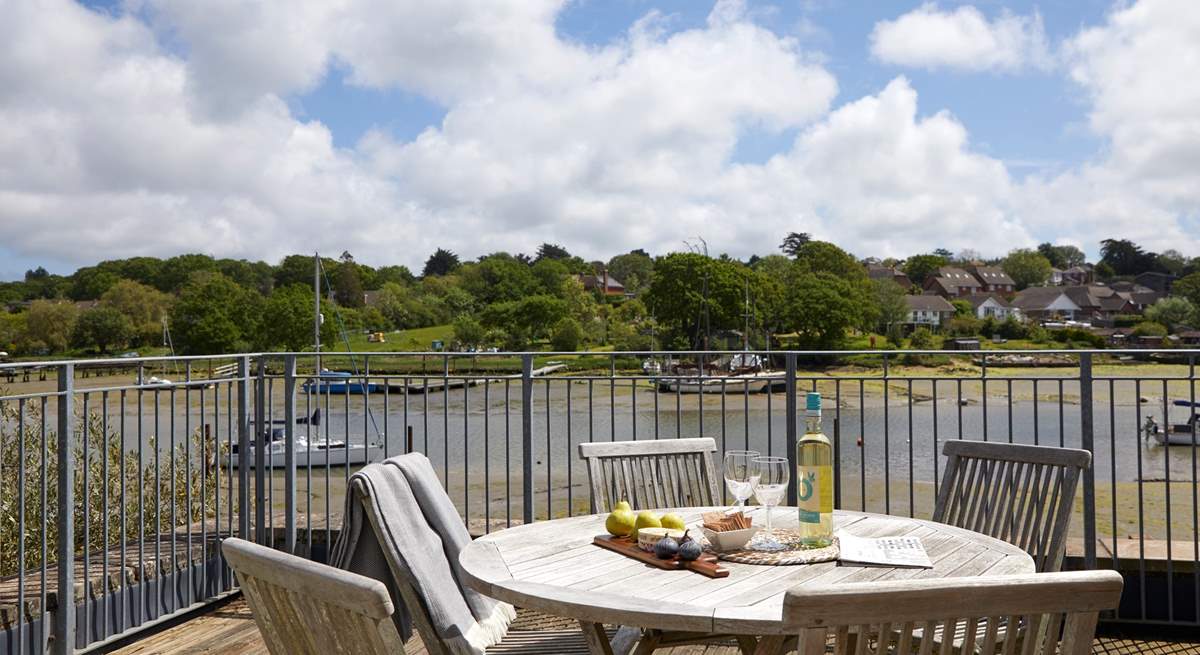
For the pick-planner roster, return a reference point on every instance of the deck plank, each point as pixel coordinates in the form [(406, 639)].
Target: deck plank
[(230, 630)]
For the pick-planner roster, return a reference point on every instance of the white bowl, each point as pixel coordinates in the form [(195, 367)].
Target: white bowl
[(730, 539)]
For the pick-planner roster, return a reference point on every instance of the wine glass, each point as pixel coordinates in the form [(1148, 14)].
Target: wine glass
[(739, 474), (772, 482)]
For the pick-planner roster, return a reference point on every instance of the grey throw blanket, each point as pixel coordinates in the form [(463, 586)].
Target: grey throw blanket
[(401, 526)]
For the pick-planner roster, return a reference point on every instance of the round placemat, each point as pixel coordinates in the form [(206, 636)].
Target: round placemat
[(781, 548)]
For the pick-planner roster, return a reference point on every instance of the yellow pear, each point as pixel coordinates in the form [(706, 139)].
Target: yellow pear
[(673, 521), (645, 520), (620, 523), (624, 504)]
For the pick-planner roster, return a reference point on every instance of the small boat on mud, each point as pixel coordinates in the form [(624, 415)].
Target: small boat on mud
[(315, 452), (339, 382), (1175, 434)]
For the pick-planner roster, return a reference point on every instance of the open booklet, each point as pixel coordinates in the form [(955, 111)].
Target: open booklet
[(903, 552)]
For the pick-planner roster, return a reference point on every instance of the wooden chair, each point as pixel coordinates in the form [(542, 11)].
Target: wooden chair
[(1058, 612), (303, 607), (1021, 494), (653, 473)]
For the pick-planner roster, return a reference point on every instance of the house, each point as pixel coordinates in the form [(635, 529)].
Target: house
[(1157, 282), (1077, 275), (952, 282), (1046, 303), (993, 279), (928, 311), (1190, 337), (371, 298), (992, 305), (1056, 277), (606, 283), (876, 272)]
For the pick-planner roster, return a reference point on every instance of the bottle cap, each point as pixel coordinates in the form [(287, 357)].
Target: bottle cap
[(813, 403)]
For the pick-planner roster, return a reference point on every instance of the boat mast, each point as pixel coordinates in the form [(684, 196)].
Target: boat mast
[(317, 308), (746, 315)]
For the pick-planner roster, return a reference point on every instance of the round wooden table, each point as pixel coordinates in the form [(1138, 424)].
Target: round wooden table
[(553, 567)]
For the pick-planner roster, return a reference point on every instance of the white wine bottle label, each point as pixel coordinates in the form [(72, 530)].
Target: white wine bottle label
[(814, 492)]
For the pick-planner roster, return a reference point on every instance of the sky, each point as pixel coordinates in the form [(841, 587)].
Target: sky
[(389, 128)]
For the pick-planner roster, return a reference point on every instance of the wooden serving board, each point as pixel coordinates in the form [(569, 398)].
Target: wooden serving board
[(707, 565)]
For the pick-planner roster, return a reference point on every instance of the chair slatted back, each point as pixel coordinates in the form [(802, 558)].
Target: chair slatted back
[(649, 474), (304, 607), (1055, 612), (1021, 494)]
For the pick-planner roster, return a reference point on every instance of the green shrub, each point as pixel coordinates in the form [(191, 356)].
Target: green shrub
[(108, 473)]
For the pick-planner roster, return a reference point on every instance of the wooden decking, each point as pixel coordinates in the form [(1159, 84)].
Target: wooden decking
[(230, 630)]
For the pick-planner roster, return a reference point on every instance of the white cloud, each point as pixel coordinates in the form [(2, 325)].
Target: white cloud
[(1139, 73), (114, 144), (962, 39)]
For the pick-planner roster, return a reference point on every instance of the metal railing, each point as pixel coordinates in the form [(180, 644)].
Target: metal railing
[(156, 470)]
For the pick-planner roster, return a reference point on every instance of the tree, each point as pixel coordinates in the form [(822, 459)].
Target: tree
[(692, 295), (889, 297), (441, 262), (176, 271), (551, 251), (634, 269), (90, 283), (347, 284), (944, 253), (397, 274), (48, 326), (468, 331), (793, 242), (1188, 287), (825, 257), (819, 308), (1173, 312), (1150, 329), (214, 315), (12, 330), (1061, 257), (962, 307), (289, 320), (1171, 261), (524, 320), (143, 305), (102, 327), (499, 277), (256, 276), (1026, 267), (921, 339), (550, 274), (566, 335), (920, 267), (1126, 257)]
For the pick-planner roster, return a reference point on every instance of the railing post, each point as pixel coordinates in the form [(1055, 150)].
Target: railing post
[(262, 434), (790, 422), (527, 438), (64, 615), (1088, 443), (243, 446), (289, 457)]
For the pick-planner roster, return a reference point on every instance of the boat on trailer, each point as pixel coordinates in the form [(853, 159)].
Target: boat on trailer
[(1175, 434)]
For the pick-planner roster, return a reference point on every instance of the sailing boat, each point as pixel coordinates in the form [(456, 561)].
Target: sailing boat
[(740, 373), (312, 449)]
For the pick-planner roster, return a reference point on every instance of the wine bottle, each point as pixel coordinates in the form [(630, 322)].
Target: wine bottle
[(814, 478)]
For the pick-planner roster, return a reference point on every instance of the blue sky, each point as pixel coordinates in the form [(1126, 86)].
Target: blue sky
[(1031, 119), (260, 129)]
